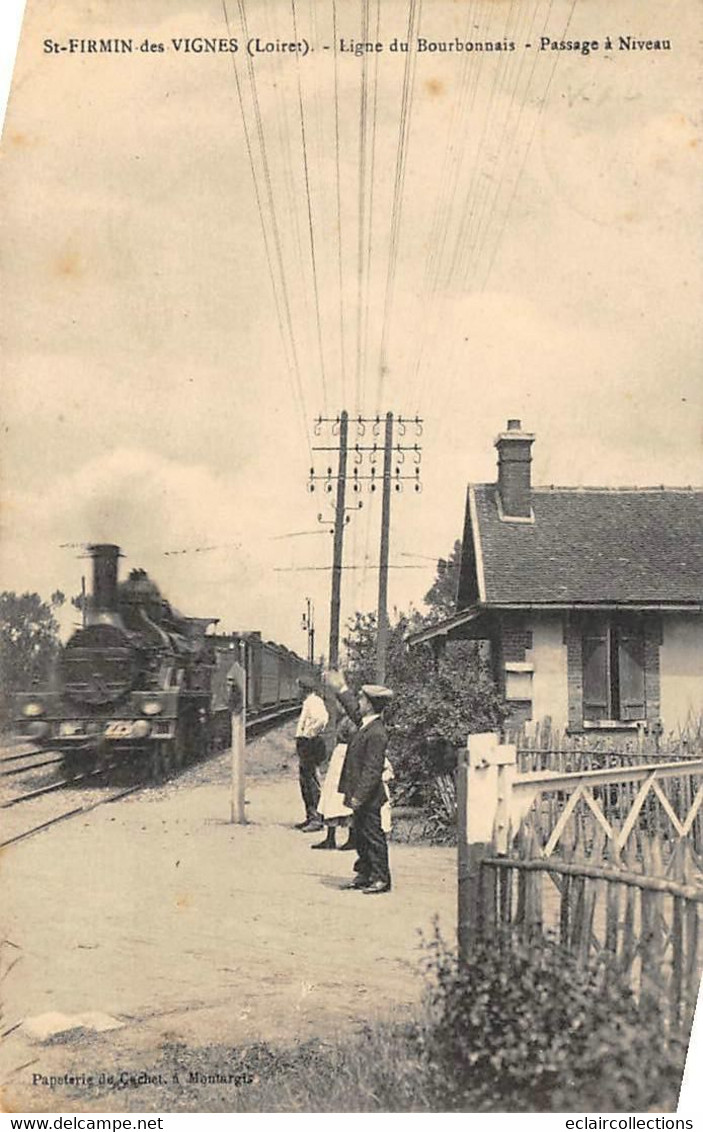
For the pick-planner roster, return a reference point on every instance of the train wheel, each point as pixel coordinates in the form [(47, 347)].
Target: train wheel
[(156, 764), (180, 753), (168, 760), (183, 754), (74, 764)]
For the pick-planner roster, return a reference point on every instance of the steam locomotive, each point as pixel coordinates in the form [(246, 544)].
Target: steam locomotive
[(144, 682)]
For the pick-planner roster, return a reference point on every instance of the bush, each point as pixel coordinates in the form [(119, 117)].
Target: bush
[(436, 706), (438, 702), (523, 1029), (29, 644)]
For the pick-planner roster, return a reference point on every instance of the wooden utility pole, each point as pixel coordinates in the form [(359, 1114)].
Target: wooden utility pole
[(309, 626), (339, 520), (358, 477), (238, 696), (382, 615)]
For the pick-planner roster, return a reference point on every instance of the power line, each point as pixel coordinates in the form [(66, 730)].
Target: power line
[(372, 186), (390, 566), (204, 549), (361, 193), (284, 318), (340, 245), (297, 534), (529, 143), (311, 228), (398, 187)]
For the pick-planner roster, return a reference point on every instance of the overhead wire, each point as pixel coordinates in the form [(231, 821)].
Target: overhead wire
[(499, 236), (458, 243), (414, 11), (296, 569), (291, 189), (372, 186), (453, 161), (340, 244), (446, 274), (482, 207), (311, 226), (275, 284), (361, 207), (528, 147), (506, 87), (286, 319), (504, 148), (366, 213), (468, 211)]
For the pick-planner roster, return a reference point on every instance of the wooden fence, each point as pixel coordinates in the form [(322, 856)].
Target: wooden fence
[(544, 748), (608, 859)]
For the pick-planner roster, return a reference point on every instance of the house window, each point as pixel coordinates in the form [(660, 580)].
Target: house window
[(518, 681), (613, 669)]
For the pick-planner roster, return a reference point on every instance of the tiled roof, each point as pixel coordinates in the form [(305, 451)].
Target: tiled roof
[(593, 545)]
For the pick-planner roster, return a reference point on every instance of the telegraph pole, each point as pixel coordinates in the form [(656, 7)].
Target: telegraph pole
[(339, 519), (309, 626), (364, 471), (382, 615)]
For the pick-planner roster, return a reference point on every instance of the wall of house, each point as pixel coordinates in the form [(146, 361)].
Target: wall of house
[(531, 669), (550, 693), (681, 669), (534, 674)]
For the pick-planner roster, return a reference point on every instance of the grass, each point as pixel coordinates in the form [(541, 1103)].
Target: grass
[(377, 1070)]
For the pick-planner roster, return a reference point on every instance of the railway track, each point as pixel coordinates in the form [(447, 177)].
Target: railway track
[(36, 759), (73, 813)]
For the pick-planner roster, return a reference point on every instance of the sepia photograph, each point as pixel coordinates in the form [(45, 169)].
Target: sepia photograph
[(351, 544)]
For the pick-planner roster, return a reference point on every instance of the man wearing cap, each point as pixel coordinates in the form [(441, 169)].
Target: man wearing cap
[(361, 781), (310, 747)]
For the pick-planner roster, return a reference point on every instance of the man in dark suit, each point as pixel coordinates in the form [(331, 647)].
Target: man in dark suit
[(361, 781)]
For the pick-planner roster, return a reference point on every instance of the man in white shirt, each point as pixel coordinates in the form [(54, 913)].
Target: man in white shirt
[(311, 750)]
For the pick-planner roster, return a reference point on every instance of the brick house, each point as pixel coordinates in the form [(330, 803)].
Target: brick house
[(591, 598)]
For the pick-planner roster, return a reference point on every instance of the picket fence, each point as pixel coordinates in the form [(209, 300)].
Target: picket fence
[(605, 855)]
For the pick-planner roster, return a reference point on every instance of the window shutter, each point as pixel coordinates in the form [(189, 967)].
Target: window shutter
[(595, 676), (631, 673)]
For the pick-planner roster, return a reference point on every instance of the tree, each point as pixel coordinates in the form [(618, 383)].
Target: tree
[(28, 642), (442, 594), (360, 648)]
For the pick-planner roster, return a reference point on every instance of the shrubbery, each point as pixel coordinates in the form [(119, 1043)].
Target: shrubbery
[(28, 644), (438, 701), (524, 1029)]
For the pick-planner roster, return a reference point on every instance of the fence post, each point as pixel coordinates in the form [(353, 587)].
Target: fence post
[(483, 782)]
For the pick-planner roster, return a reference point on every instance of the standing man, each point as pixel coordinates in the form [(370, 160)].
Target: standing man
[(361, 780), (311, 750)]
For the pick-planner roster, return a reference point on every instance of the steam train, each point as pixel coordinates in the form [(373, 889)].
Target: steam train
[(140, 681)]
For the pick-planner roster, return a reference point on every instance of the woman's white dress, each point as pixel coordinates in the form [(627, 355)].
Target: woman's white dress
[(331, 804)]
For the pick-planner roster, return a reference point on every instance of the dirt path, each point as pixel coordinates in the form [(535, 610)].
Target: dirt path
[(159, 913)]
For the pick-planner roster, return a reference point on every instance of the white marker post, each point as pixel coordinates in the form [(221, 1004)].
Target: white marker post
[(237, 679)]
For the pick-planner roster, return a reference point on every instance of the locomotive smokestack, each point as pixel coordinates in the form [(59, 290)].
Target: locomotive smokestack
[(105, 556)]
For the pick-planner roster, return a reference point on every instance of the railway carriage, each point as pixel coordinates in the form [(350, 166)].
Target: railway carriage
[(143, 682)]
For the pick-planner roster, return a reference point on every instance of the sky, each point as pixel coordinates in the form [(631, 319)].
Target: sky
[(516, 238)]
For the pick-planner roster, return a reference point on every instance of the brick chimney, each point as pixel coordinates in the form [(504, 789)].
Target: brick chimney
[(514, 478)]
